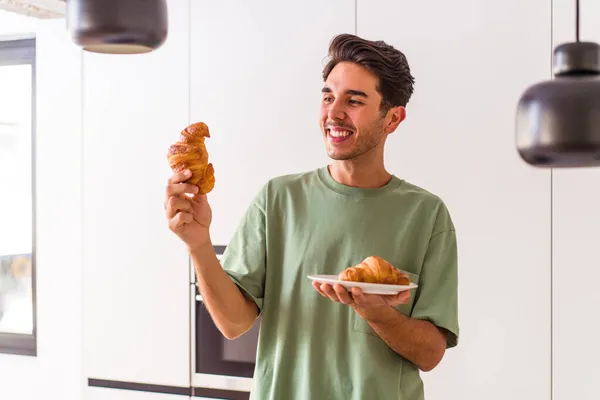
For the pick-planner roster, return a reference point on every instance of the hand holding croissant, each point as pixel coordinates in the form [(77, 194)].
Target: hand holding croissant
[(190, 153), (372, 269), (186, 205)]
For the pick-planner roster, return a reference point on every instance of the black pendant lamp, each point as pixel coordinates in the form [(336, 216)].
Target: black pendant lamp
[(118, 26), (558, 121)]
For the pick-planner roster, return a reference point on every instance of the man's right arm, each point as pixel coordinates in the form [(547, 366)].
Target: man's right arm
[(232, 312), (233, 292)]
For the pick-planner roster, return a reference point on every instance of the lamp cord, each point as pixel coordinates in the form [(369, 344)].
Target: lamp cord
[(577, 20)]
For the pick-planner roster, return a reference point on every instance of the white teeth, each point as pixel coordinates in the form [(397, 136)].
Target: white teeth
[(334, 133)]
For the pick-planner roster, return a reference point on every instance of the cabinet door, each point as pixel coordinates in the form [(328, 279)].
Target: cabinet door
[(576, 254), (576, 274), (256, 82), (136, 272), (458, 141)]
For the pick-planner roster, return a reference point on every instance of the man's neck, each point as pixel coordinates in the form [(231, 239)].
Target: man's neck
[(349, 173)]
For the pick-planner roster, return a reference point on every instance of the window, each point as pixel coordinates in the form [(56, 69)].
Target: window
[(17, 197)]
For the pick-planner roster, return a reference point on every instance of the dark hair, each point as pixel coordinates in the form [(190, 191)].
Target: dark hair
[(383, 60)]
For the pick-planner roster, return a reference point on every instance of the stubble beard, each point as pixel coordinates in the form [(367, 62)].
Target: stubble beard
[(371, 137)]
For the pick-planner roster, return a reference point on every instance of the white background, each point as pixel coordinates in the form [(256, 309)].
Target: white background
[(113, 282)]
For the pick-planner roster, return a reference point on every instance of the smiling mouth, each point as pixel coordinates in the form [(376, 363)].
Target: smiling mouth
[(338, 134)]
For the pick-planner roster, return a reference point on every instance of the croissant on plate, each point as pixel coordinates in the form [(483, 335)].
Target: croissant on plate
[(189, 152), (375, 269)]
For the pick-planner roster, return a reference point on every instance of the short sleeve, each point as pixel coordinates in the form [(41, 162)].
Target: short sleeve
[(244, 259), (436, 298)]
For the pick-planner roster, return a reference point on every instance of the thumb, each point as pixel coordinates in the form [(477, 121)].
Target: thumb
[(358, 295)]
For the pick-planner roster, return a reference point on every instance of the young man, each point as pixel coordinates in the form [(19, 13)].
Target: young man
[(320, 341)]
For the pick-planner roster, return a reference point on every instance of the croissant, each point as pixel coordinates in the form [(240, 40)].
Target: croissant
[(375, 269), (189, 152)]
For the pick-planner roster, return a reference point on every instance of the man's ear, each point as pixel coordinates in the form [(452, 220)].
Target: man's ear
[(395, 116)]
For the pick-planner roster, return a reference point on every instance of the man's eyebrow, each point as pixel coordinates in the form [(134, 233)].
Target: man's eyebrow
[(356, 93), (351, 92)]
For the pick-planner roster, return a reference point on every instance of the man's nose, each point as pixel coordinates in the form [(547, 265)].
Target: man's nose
[(336, 111)]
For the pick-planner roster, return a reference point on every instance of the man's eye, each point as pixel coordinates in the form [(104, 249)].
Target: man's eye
[(327, 99), (355, 102)]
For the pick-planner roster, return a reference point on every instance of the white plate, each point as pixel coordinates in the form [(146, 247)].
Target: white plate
[(367, 288)]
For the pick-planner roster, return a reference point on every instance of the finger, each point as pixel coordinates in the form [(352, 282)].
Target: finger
[(398, 299), (176, 185), (317, 287), (180, 176), (329, 292), (358, 295), (176, 223), (180, 189), (176, 204), (342, 294), (402, 297)]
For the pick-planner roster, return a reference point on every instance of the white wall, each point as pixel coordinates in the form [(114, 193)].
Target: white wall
[(458, 141), (576, 254), (231, 64), (258, 88), (56, 372), (136, 272)]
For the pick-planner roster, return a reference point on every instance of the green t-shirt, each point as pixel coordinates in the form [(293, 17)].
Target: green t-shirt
[(311, 348)]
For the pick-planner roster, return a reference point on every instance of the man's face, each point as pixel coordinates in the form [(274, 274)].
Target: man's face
[(350, 117)]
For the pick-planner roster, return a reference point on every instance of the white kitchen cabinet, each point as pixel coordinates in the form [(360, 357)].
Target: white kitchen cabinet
[(471, 61), (575, 279), (576, 254), (256, 81), (136, 272), (93, 393)]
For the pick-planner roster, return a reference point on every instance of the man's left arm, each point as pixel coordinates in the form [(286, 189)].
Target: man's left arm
[(418, 341), (432, 326)]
